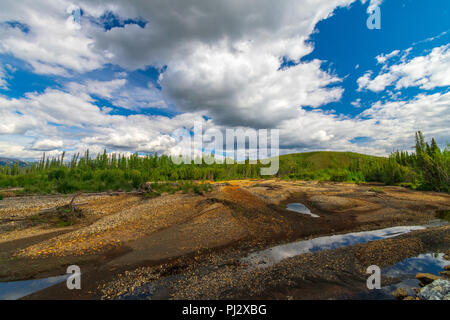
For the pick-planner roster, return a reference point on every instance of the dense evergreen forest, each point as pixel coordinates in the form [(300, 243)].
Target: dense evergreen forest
[(425, 169)]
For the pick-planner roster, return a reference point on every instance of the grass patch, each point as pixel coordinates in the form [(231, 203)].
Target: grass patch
[(60, 217), (377, 190)]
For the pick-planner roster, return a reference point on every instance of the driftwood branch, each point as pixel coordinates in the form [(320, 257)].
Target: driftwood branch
[(73, 198)]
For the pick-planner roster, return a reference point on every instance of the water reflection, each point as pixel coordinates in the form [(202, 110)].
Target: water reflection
[(274, 255), (405, 273), (18, 289), (301, 208), (425, 263)]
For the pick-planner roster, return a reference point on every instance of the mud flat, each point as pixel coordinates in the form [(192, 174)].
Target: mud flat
[(125, 242)]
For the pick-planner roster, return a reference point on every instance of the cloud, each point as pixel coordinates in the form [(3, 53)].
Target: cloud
[(176, 28), (382, 58), (430, 39), (377, 84), (47, 144), (224, 58), (219, 61), (103, 89), (233, 91), (426, 72), (356, 103), (392, 123), (140, 98), (14, 149), (141, 133), (3, 83), (68, 119), (57, 120), (120, 94), (50, 43), (373, 4)]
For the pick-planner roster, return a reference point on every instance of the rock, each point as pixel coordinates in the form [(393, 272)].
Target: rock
[(416, 290), (409, 298), (447, 267), (400, 293), (445, 273), (426, 278), (437, 290)]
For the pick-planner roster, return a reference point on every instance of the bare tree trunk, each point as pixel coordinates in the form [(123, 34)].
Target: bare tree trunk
[(73, 198)]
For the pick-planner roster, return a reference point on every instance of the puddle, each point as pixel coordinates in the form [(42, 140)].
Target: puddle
[(405, 272), (301, 208), (18, 289), (436, 223), (274, 255), (428, 263)]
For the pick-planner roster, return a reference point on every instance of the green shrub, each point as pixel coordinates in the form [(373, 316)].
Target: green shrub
[(65, 186), (57, 174)]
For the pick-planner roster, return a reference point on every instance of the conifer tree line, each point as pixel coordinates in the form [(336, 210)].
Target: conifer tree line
[(426, 169)]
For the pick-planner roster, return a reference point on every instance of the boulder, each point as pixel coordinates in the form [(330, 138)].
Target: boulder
[(447, 255), (400, 293), (447, 267), (409, 298), (437, 290), (426, 278)]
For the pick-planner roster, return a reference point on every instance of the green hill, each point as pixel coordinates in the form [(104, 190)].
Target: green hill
[(325, 159), (329, 165)]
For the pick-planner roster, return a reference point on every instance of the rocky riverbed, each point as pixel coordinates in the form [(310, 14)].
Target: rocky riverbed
[(191, 246)]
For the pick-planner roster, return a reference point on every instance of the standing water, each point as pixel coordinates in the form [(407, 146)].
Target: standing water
[(274, 255), (405, 273), (301, 208), (17, 289)]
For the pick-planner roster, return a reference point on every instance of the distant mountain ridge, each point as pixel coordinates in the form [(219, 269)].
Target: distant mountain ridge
[(10, 161)]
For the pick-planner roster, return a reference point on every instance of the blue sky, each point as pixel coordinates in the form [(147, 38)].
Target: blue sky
[(77, 75), (344, 44)]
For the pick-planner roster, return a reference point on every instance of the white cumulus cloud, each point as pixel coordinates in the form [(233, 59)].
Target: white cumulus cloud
[(426, 72)]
